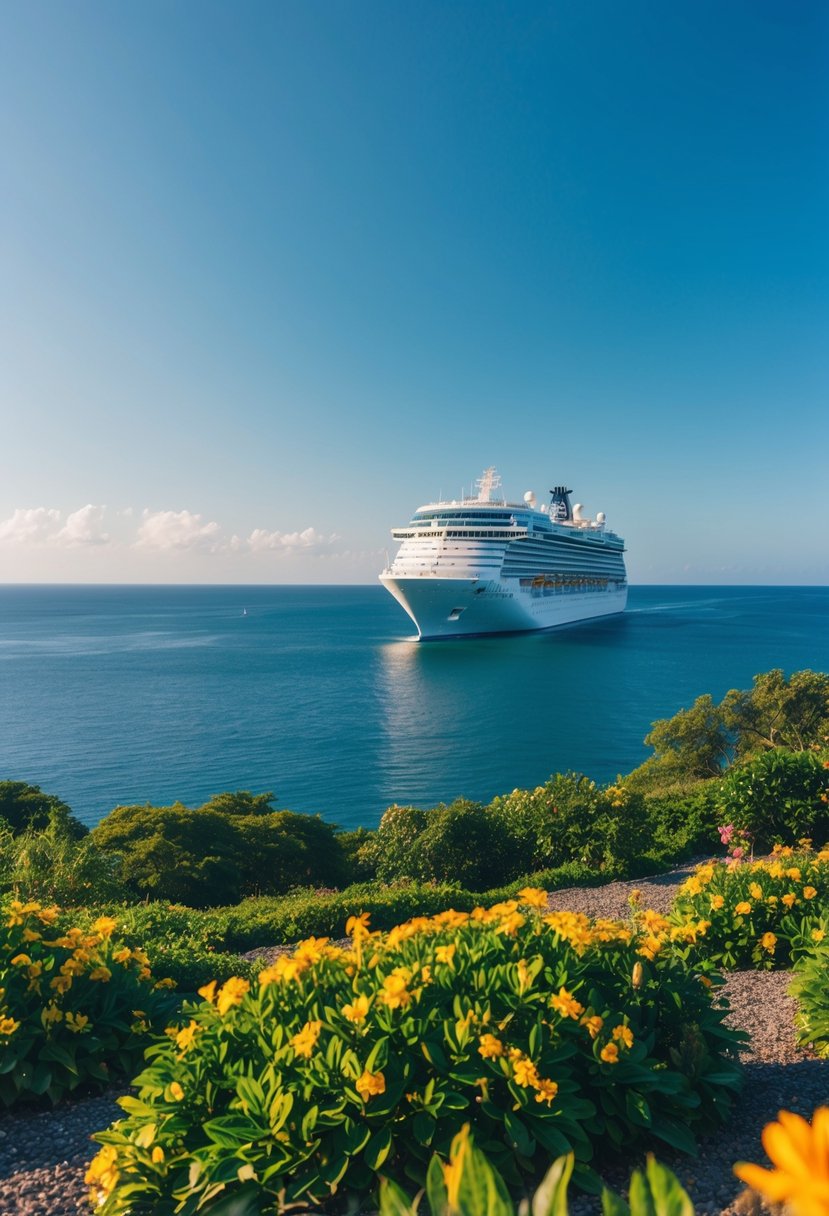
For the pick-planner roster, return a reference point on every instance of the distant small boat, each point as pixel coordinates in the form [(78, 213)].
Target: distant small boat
[(244, 612)]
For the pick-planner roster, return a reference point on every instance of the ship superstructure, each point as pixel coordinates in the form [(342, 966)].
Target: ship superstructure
[(484, 565)]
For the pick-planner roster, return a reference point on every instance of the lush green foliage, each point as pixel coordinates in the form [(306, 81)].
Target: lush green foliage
[(777, 798), (756, 913), (469, 1185), (700, 742), (25, 806), (231, 847), (810, 987), (548, 1033), (75, 1004), (53, 863)]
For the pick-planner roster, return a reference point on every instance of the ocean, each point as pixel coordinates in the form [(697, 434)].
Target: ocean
[(126, 695)]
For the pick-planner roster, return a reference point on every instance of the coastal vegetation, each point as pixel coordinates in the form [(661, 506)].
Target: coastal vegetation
[(434, 1007)]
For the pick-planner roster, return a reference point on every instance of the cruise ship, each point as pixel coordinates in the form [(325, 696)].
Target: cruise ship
[(484, 565)]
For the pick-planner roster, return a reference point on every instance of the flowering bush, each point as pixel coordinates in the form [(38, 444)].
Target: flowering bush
[(757, 913), (777, 797), (548, 1033), (75, 1005)]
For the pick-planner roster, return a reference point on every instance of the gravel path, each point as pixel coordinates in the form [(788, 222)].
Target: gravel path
[(43, 1156)]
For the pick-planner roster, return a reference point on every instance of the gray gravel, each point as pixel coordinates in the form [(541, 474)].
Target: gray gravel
[(43, 1155)]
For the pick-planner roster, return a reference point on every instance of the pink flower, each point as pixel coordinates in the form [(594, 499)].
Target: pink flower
[(737, 853), (726, 833)]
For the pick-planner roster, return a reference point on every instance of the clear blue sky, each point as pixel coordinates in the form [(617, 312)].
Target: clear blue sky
[(273, 274)]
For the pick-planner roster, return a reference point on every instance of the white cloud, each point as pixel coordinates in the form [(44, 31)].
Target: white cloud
[(308, 541), (30, 526), (178, 530), (84, 527)]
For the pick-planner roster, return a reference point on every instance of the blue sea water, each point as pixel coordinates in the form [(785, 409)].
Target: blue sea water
[(150, 694)]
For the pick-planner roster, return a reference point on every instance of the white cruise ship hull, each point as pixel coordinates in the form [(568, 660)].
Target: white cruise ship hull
[(461, 607)]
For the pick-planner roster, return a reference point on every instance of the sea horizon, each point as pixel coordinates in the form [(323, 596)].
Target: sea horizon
[(134, 693)]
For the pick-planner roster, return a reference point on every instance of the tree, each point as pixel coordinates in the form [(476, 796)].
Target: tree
[(777, 712), (240, 802), (26, 806), (175, 854)]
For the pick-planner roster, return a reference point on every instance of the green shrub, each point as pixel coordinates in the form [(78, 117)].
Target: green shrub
[(810, 988), (547, 1035), (272, 922), (75, 1005), (756, 914), (55, 864), (211, 856), (777, 798), (571, 818), (683, 825), (25, 806)]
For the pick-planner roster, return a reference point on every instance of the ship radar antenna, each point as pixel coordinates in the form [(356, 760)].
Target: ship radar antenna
[(486, 483)]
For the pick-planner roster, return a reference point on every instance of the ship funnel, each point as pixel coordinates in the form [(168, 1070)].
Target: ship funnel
[(560, 508)]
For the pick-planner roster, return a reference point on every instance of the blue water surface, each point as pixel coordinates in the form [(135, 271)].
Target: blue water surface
[(150, 694)]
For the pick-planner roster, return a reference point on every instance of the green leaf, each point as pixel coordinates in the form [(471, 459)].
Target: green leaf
[(378, 1148), (394, 1201), (551, 1197), (436, 1188), (518, 1134), (613, 1205), (675, 1134), (423, 1127), (641, 1200), (669, 1197)]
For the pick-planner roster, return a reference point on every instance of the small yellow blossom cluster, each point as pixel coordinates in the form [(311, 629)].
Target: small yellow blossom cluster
[(72, 988), (748, 903)]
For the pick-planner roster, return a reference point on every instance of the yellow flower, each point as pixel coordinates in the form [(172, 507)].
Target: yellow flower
[(650, 947), (445, 954), (103, 1174), (768, 941), (305, 1040), (357, 926), (157, 1154), (50, 1014), (623, 1034), (21, 960), (490, 1047), (123, 955), (357, 1011), (594, 1024), (31, 935), (789, 900), (533, 896), (809, 892), (638, 975), (176, 1091), (370, 1083), (208, 991), (105, 925), (610, 1054), (755, 890), (546, 1091), (818, 935), (76, 1022), (61, 983), (800, 1154), (185, 1036), (525, 1073), (8, 1026), (743, 908), (232, 992), (395, 994), (101, 973), (566, 1004), (717, 902), (794, 874)]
